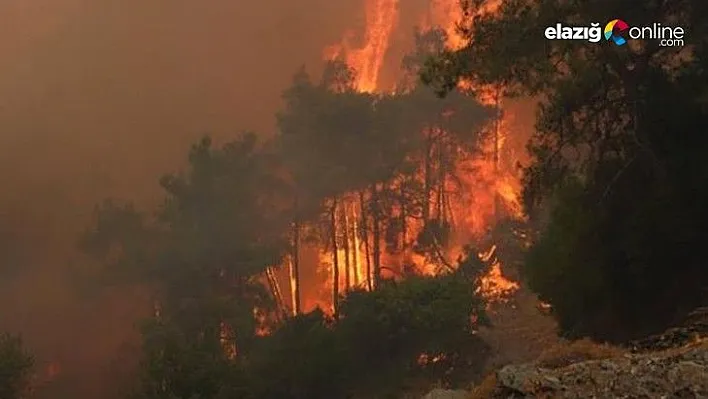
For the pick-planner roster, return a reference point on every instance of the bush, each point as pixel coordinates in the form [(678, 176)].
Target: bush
[(386, 342), (15, 368), (303, 359)]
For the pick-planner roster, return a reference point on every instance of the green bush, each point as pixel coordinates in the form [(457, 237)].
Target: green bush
[(375, 347), (16, 366)]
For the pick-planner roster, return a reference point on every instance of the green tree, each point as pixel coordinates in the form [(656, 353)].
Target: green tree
[(616, 159), (223, 224), (401, 326)]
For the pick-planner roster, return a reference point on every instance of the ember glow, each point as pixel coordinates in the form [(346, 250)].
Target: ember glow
[(427, 359)]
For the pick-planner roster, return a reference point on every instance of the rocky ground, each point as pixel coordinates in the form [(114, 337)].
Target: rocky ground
[(672, 373), (669, 365)]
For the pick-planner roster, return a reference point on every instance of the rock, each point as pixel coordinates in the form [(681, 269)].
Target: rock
[(447, 394), (674, 373), (693, 328)]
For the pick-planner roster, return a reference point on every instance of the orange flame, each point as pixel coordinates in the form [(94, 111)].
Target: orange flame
[(381, 19)]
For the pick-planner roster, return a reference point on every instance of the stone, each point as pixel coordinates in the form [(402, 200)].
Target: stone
[(673, 373)]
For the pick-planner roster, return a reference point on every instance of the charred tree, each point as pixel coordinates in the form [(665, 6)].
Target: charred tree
[(365, 237), (376, 222), (440, 198), (335, 258), (355, 246), (497, 131), (275, 291), (427, 176), (295, 269), (404, 215), (345, 247)]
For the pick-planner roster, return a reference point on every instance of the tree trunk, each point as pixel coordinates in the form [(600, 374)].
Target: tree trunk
[(365, 234), (275, 291), (449, 212), (295, 269), (441, 183), (335, 259), (376, 234), (427, 186), (345, 243), (404, 215), (355, 249), (497, 131)]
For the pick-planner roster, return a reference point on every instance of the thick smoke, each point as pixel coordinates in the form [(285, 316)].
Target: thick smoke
[(97, 99)]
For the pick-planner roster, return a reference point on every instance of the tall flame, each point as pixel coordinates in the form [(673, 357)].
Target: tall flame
[(367, 60)]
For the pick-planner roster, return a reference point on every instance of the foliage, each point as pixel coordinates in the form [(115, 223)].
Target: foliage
[(16, 366), (394, 325), (388, 329), (616, 158), (120, 239), (312, 356), (177, 366), (304, 358)]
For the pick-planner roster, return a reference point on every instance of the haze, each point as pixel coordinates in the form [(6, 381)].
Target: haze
[(98, 98)]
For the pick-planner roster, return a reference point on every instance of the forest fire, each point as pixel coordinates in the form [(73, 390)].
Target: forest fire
[(401, 196), (356, 251)]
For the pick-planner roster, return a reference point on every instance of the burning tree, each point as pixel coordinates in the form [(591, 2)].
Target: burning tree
[(614, 183), (381, 168)]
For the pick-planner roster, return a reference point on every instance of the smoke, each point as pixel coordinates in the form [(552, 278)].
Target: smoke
[(97, 99)]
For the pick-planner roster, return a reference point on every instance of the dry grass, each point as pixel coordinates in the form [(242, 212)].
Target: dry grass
[(567, 353), (486, 388), (557, 356)]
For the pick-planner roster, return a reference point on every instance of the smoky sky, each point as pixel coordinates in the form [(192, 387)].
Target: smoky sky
[(101, 94), (98, 98)]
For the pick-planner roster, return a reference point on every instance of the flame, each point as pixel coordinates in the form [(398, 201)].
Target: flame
[(490, 181), (226, 338), (367, 60), (427, 359), (446, 14)]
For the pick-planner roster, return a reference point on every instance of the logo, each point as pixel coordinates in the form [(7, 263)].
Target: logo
[(619, 32), (592, 33), (614, 30)]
